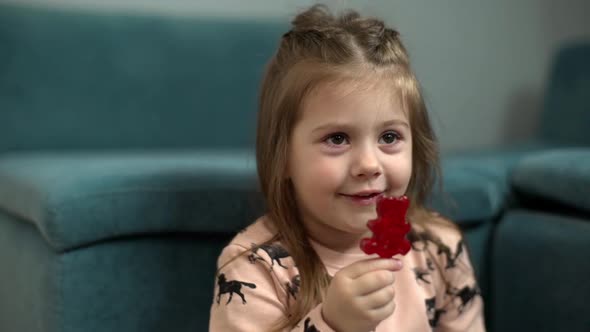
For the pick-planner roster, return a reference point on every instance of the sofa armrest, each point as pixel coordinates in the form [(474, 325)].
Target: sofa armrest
[(79, 198), (561, 176)]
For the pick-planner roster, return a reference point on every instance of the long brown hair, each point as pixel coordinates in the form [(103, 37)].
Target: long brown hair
[(322, 48)]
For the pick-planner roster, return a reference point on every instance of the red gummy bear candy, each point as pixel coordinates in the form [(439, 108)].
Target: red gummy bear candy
[(389, 229)]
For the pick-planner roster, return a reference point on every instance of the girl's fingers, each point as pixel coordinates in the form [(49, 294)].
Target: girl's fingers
[(378, 299), (383, 311), (372, 282), (357, 269)]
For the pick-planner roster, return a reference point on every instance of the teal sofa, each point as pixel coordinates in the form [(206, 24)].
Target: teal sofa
[(126, 163), (531, 249)]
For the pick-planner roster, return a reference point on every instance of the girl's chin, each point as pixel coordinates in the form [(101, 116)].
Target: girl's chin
[(359, 231)]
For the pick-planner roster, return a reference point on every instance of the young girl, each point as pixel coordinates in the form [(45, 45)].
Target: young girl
[(342, 122)]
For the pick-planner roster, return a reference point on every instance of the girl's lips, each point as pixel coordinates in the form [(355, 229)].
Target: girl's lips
[(363, 200)]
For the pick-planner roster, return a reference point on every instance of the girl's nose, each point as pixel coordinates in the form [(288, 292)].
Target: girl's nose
[(366, 164)]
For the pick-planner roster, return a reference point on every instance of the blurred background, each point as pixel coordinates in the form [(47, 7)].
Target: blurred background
[(483, 64), (126, 162)]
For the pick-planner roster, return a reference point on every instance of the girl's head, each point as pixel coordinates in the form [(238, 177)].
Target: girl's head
[(343, 56), (341, 114)]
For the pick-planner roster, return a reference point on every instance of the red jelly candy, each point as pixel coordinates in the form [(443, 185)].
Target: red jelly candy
[(389, 229)]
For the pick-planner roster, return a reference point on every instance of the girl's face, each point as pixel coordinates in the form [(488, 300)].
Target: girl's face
[(350, 145)]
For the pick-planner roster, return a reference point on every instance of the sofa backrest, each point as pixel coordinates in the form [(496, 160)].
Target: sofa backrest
[(74, 79), (566, 117)]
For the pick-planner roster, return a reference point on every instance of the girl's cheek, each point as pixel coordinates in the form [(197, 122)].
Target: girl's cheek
[(399, 175), (326, 169)]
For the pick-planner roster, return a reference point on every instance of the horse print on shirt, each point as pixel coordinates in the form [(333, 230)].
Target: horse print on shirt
[(430, 264), (231, 287), (420, 242), (465, 294), (275, 251), (293, 287), (433, 313), (451, 259), (416, 240), (421, 274), (309, 328)]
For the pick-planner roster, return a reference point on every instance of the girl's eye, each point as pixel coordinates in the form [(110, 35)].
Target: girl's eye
[(389, 137), (336, 139)]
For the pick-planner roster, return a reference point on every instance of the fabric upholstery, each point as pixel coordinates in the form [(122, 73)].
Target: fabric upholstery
[(560, 175), (566, 114), (539, 273), (148, 283), (79, 198), (97, 240), (479, 243), (468, 197), (476, 185), (29, 279), (100, 79)]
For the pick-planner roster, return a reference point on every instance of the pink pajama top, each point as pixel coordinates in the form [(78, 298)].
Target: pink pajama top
[(257, 288)]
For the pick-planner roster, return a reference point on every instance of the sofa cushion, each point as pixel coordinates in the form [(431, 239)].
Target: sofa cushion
[(79, 78), (539, 273), (467, 198), (79, 198), (566, 111), (476, 184), (562, 176), (496, 163), (139, 284)]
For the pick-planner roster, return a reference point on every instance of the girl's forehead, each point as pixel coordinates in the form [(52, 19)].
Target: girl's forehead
[(355, 90), (356, 82), (334, 98)]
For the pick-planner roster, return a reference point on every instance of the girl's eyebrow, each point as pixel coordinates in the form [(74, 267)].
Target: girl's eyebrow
[(397, 122), (347, 127), (332, 125)]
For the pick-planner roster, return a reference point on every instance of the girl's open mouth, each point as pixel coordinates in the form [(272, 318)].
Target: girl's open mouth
[(367, 199)]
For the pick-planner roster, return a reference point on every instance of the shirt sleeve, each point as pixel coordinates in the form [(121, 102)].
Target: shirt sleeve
[(248, 297), (462, 308)]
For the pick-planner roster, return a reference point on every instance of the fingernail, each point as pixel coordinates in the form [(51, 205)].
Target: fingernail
[(398, 263)]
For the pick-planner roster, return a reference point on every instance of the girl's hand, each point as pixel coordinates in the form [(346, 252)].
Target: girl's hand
[(361, 295)]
